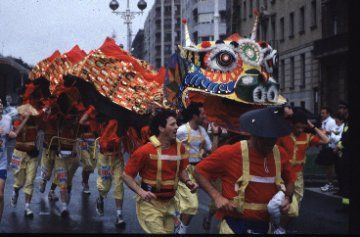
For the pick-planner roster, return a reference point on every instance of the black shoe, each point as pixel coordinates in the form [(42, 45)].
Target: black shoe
[(339, 193), (65, 213), (29, 213), (344, 209), (120, 223), (100, 206)]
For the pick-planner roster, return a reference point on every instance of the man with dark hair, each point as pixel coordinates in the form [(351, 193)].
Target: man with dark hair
[(296, 145), (161, 163), (198, 145), (325, 157), (251, 173)]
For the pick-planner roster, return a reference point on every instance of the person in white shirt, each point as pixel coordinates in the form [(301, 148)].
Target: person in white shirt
[(198, 145), (326, 157), (5, 133)]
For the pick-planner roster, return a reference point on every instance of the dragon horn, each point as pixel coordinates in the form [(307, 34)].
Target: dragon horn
[(188, 41), (253, 33)]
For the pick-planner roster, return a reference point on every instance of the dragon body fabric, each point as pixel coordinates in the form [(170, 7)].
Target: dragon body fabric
[(109, 79), (229, 76)]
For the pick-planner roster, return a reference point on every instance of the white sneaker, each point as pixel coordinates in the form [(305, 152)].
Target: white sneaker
[(279, 231), (327, 187), (180, 229), (28, 212)]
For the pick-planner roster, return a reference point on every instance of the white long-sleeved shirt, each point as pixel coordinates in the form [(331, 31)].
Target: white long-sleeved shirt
[(335, 135)]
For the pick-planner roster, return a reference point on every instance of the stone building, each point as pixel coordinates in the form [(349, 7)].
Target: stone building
[(13, 75), (138, 46), (299, 31), (152, 32), (200, 18)]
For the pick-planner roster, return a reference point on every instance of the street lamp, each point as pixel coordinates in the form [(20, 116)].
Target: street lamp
[(128, 16)]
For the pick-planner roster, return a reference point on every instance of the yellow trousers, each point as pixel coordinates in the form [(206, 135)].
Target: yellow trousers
[(24, 168), (88, 156), (225, 228), (298, 195), (110, 172), (186, 201), (47, 163), (156, 216), (65, 169)]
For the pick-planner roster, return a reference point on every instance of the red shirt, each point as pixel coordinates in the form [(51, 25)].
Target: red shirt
[(226, 163), (306, 140), (140, 163)]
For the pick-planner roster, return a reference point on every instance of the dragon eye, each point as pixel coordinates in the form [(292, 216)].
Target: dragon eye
[(222, 58), (225, 59)]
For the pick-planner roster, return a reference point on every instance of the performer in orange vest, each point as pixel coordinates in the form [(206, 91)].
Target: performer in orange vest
[(161, 163), (251, 173), (296, 145)]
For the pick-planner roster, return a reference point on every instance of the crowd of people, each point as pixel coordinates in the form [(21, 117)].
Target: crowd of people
[(254, 175)]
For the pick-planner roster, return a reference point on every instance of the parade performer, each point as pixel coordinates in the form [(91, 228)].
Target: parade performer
[(5, 133), (197, 143), (38, 92), (295, 146), (110, 166), (88, 145), (24, 161), (161, 163), (251, 173)]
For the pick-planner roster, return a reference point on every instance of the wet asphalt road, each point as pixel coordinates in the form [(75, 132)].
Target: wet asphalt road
[(317, 214)]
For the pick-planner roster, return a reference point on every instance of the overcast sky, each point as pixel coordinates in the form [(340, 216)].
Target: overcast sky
[(34, 29)]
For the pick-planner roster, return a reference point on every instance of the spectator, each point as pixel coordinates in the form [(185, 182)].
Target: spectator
[(326, 156)]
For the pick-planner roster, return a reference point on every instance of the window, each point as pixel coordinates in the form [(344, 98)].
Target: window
[(313, 14), (282, 76), (195, 15), (302, 104), (223, 16), (264, 25), (303, 78), (291, 25), (273, 29), (292, 73), (282, 29), (251, 8), (244, 10), (195, 37), (258, 5), (265, 4), (302, 20)]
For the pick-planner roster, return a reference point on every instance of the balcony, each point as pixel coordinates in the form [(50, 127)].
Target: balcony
[(331, 46)]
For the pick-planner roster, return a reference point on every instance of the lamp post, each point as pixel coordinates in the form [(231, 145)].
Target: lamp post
[(128, 16)]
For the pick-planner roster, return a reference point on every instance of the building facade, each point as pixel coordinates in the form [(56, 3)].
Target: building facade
[(293, 28), (137, 45), (152, 32), (13, 76), (200, 18)]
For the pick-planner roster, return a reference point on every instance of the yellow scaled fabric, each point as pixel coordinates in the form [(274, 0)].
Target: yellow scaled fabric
[(156, 216), (65, 169), (109, 171), (225, 229), (88, 157), (47, 163), (25, 173), (187, 202)]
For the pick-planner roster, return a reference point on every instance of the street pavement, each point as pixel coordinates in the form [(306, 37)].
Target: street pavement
[(317, 214)]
